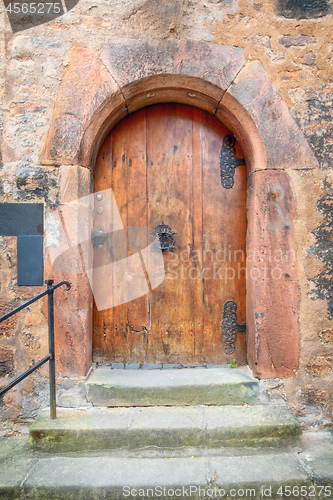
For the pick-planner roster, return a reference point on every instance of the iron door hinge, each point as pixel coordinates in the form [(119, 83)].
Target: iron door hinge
[(229, 161), (230, 327)]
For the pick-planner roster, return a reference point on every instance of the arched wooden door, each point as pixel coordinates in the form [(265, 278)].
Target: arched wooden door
[(163, 164)]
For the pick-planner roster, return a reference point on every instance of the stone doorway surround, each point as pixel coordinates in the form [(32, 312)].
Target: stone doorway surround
[(98, 90)]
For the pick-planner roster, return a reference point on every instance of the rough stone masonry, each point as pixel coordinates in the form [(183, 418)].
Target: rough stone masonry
[(292, 39)]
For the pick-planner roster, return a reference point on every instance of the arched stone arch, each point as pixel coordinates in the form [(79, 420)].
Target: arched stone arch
[(97, 91)]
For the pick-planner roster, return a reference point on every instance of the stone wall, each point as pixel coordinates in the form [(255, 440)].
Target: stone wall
[(293, 42)]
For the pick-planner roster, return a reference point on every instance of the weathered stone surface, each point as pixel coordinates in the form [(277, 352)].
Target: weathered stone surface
[(15, 464), (67, 229), (34, 62), (30, 184), (314, 117), (299, 9), (6, 361), (216, 427), (73, 325), (190, 72), (321, 366), (105, 475), (315, 410), (297, 40), (326, 336), (72, 394), (262, 473), (95, 477), (74, 182), (317, 453), (273, 305), (131, 60), (70, 477), (195, 73), (170, 387), (285, 145), (166, 427), (8, 327), (323, 281), (73, 110), (314, 314)]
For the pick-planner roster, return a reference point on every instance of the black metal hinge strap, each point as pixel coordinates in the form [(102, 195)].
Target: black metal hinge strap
[(230, 327), (229, 161)]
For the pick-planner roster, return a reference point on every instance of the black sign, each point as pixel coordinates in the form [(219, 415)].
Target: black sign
[(25, 220)]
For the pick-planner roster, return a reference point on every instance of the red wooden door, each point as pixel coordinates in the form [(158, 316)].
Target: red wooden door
[(163, 164)]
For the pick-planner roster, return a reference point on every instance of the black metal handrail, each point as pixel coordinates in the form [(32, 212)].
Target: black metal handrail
[(50, 357)]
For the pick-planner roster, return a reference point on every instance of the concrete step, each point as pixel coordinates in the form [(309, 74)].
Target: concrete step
[(188, 386), (162, 427)]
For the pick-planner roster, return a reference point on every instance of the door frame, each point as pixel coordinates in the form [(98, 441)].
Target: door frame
[(98, 91)]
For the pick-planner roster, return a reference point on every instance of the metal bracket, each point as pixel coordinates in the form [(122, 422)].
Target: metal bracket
[(98, 238), (230, 327), (165, 238), (229, 161)]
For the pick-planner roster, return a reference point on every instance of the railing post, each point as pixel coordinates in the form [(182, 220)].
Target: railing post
[(50, 308)]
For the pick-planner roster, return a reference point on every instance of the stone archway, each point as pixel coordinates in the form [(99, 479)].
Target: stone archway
[(97, 92)]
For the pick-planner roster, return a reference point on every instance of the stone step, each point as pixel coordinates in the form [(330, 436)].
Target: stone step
[(162, 427), (105, 477), (188, 386)]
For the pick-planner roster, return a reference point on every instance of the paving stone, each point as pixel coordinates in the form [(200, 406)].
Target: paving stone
[(105, 477), (264, 475), (317, 454), (15, 463)]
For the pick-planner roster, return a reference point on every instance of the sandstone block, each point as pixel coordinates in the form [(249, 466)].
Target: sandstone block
[(74, 183), (285, 145), (73, 110), (272, 284), (137, 59)]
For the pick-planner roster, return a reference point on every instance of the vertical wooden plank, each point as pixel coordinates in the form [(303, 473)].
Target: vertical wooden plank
[(239, 258), (160, 151), (138, 238), (102, 320), (213, 237), (169, 149), (197, 236), (224, 240), (119, 243), (181, 343)]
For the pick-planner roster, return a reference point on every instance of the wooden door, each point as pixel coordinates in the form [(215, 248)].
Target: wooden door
[(163, 164)]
